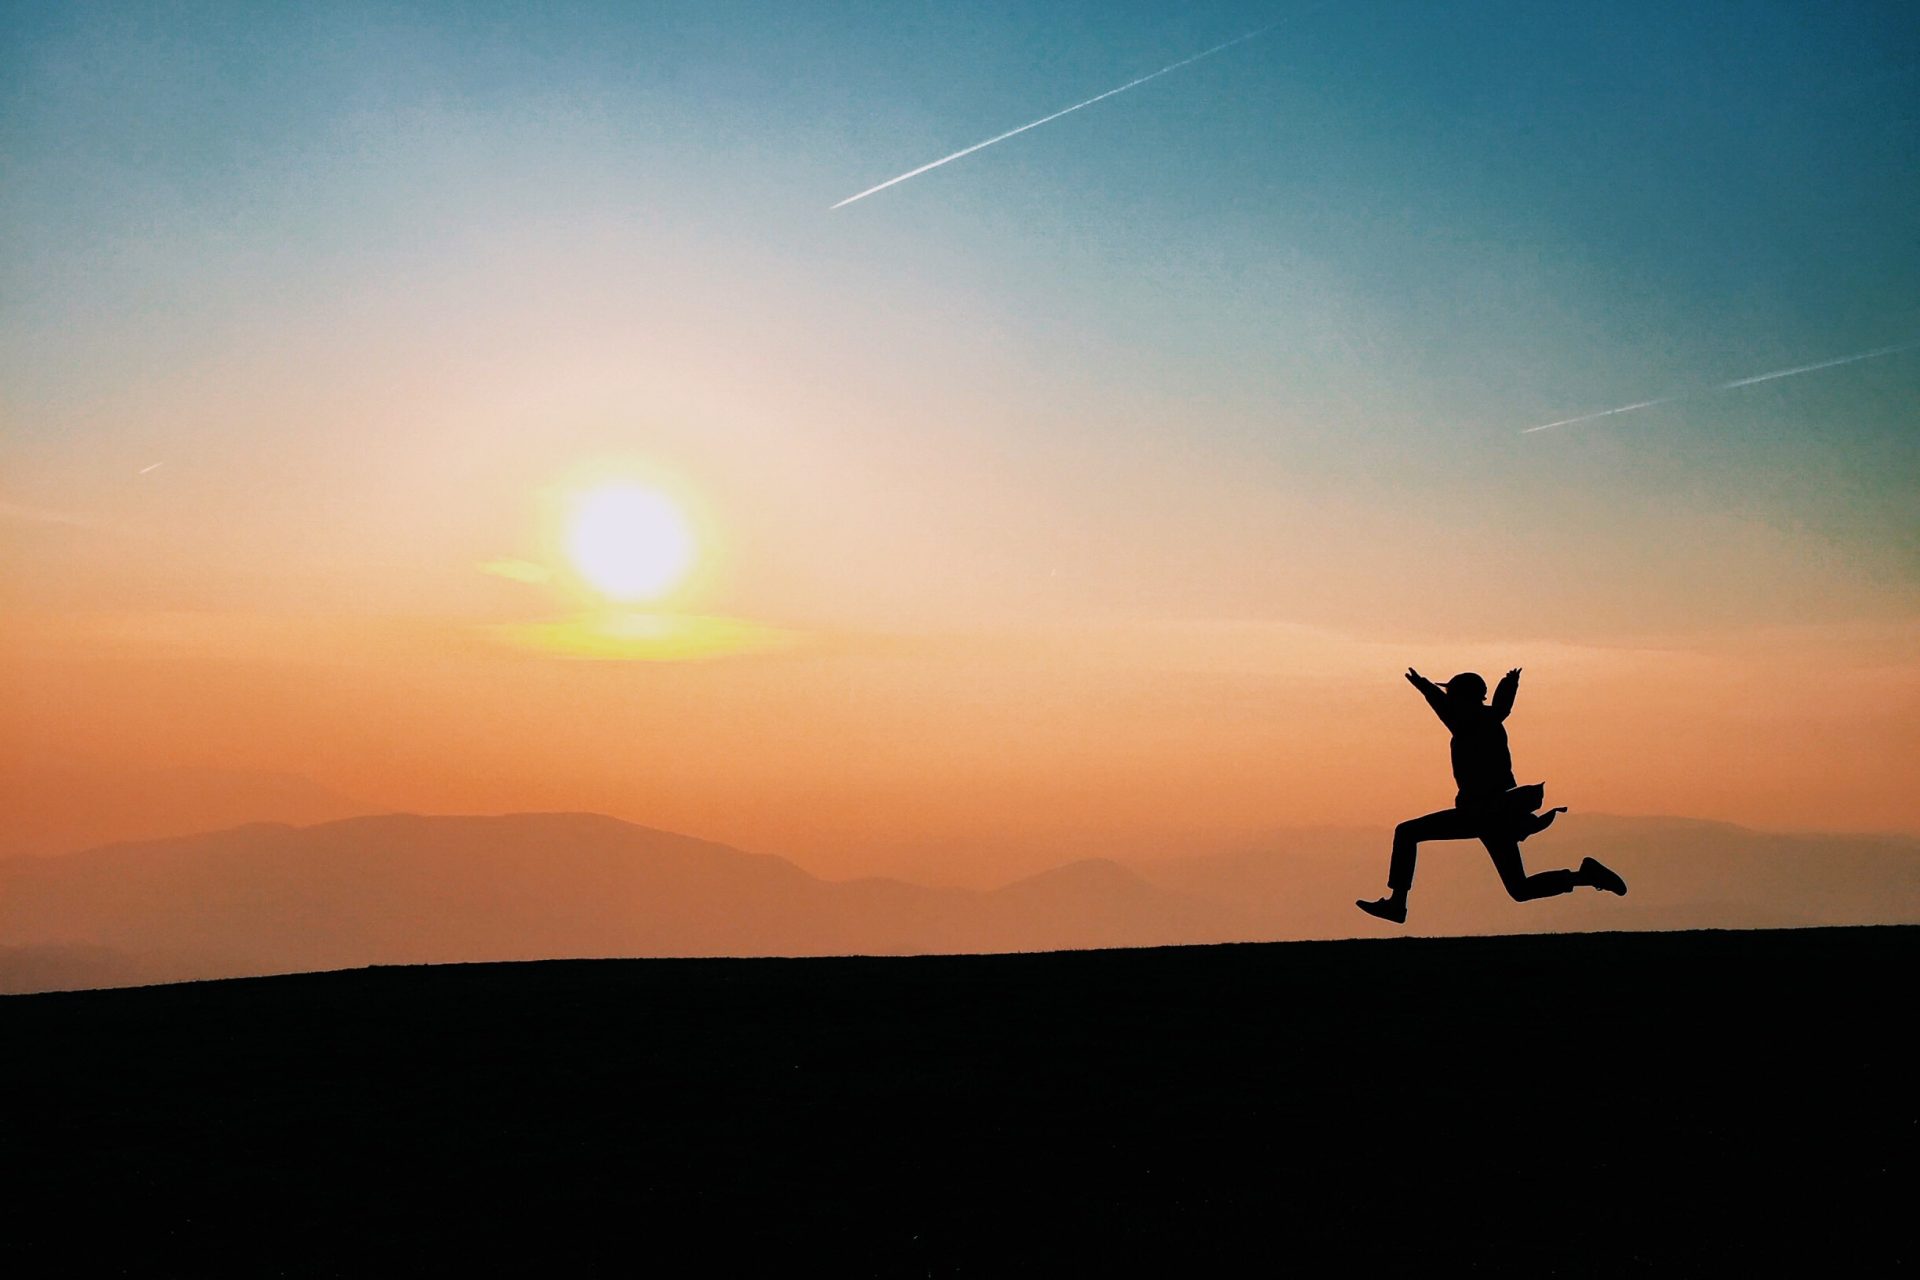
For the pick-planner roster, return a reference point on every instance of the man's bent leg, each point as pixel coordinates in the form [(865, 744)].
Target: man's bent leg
[(1522, 887)]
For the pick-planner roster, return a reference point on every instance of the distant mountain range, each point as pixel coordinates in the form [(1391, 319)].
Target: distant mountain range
[(405, 889), (408, 889)]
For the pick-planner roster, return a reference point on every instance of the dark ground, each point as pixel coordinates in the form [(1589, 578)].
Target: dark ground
[(1602, 1103)]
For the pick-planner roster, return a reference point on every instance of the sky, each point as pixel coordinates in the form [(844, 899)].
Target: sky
[(1093, 490)]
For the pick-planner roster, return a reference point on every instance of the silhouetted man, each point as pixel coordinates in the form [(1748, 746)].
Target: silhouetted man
[(1488, 807)]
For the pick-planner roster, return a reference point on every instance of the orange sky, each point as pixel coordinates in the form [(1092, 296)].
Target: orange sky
[(934, 659), (968, 757)]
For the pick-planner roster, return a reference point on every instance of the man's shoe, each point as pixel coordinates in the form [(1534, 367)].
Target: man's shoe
[(1601, 876), (1393, 912)]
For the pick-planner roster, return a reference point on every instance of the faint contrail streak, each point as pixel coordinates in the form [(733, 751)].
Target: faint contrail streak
[(1823, 364), (1035, 124), (1604, 413), (152, 466), (1728, 386)]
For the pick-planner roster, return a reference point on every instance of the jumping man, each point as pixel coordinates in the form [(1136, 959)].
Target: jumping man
[(1489, 807)]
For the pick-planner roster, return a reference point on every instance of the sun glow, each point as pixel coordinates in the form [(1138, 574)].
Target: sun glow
[(619, 635), (629, 542)]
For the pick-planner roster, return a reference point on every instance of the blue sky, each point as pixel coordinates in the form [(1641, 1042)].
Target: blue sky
[(1354, 256)]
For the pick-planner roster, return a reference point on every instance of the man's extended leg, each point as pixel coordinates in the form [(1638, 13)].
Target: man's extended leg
[(1522, 887), (1445, 824)]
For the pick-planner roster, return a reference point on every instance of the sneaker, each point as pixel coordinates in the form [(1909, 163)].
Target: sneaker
[(1389, 910), (1601, 876)]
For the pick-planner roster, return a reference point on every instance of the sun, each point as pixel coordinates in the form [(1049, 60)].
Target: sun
[(630, 542)]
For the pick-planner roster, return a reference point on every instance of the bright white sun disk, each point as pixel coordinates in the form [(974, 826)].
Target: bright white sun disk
[(630, 542)]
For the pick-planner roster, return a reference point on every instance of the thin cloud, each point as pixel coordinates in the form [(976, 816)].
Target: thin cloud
[(616, 636), (23, 514), (517, 570)]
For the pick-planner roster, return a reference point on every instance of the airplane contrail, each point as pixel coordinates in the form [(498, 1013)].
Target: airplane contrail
[(1604, 413), (1728, 386), (154, 466), (1035, 124), (1822, 364)]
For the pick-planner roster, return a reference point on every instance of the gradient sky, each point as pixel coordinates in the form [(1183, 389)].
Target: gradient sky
[(1096, 487)]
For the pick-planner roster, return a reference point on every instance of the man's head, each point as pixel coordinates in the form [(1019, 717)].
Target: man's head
[(1467, 687)]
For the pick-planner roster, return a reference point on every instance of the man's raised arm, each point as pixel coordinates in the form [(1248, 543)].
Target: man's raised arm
[(1431, 692), (1503, 693)]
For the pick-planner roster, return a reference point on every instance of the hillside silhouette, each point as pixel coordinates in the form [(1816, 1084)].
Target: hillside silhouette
[(1679, 1103), (404, 889)]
